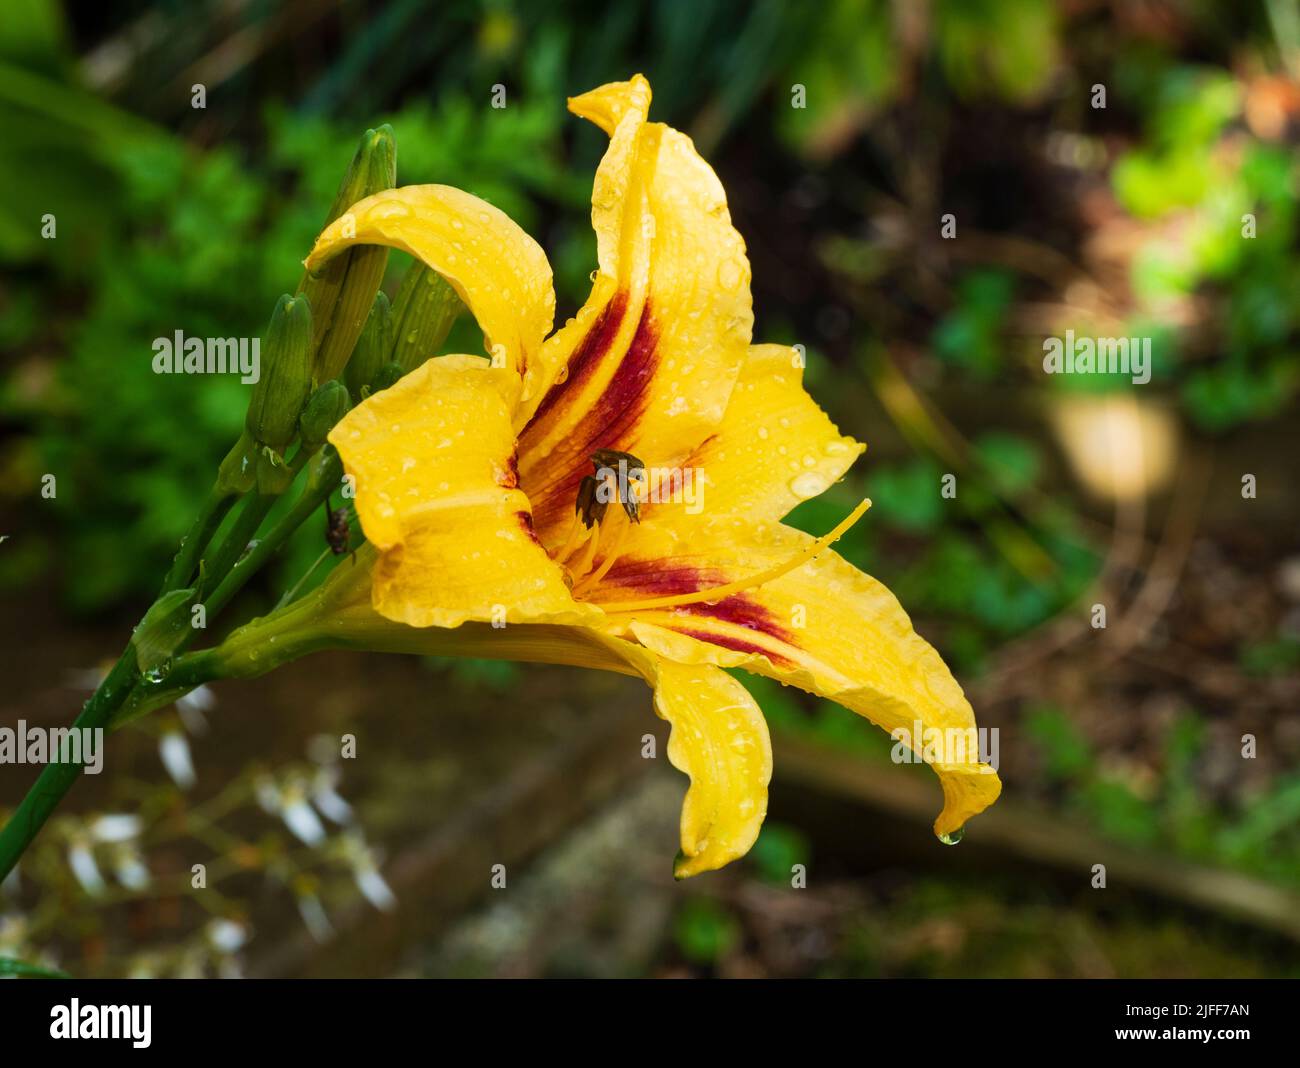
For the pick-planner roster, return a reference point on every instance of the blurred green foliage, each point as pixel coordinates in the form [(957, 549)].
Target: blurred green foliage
[(1261, 835)]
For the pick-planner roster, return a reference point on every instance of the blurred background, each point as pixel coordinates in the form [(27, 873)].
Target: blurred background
[(1122, 746)]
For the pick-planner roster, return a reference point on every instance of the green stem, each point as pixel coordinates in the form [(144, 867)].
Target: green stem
[(313, 495), (214, 510), (250, 518), (56, 779), (236, 541)]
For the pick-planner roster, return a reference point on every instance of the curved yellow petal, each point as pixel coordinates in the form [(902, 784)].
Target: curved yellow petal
[(719, 740), (773, 449), (500, 273), (649, 362), (436, 492), (825, 627)]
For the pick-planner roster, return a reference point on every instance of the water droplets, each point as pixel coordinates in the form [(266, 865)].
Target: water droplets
[(808, 484), (731, 273), (392, 210), (953, 838)]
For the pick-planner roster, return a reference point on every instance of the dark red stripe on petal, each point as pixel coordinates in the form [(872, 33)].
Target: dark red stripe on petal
[(737, 644), (608, 423), (741, 611), (587, 356), (623, 400), (658, 578)]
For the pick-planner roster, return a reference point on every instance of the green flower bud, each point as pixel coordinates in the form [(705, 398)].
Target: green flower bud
[(388, 374), (238, 471), (326, 407), (344, 291), (285, 381), (423, 314), (373, 347)]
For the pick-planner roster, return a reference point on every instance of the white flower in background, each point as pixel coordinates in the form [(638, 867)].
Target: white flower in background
[(81, 859), (226, 936), (313, 915), (129, 868), (299, 816), (115, 827), (365, 871), (289, 802), (174, 750), (325, 796), (191, 709), (267, 794)]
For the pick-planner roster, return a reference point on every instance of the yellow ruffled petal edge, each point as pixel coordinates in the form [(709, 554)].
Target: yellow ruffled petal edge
[(824, 627), (500, 272), (719, 739)]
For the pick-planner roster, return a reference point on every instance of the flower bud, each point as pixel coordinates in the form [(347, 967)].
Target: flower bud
[(388, 374), (373, 347), (423, 314), (344, 291), (327, 406), (285, 382), (238, 471)]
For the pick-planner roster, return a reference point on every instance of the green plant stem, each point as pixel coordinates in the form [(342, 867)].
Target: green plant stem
[(56, 779), (313, 495), (227, 555), (205, 524)]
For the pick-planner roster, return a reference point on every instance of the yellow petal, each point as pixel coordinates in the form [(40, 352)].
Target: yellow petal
[(719, 740), (648, 363), (500, 273), (433, 463), (743, 470), (824, 627)]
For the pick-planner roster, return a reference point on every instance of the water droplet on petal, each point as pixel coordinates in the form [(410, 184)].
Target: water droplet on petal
[(953, 838), (730, 274), (808, 484)]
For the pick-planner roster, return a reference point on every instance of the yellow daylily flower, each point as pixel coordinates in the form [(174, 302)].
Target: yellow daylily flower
[(499, 527)]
